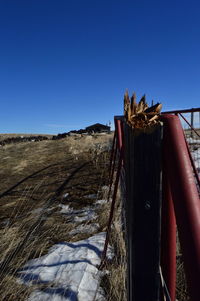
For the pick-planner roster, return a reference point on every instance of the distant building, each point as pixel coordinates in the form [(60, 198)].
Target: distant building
[(98, 128)]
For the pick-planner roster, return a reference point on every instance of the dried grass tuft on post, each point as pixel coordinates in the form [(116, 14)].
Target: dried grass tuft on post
[(139, 115)]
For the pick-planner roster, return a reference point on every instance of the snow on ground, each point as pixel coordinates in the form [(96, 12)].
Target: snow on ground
[(101, 202), (195, 151), (86, 214), (196, 157), (79, 215), (90, 228), (83, 214), (90, 196), (191, 140), (65, 195), (65, 209), (69, 271)]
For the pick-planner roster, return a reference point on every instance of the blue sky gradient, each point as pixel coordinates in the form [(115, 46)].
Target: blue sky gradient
[(66, 64)]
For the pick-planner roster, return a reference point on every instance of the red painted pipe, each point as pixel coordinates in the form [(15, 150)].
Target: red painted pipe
[(186, 200), (118, 128), (182, 111), (112, 171), (168, 238), (117, 146), (112, 208), (112, 154)]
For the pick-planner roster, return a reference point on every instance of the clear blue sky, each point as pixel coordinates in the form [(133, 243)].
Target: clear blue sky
[(65, 64)]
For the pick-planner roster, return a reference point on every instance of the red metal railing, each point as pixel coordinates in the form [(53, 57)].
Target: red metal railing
[(181, 203), (116, 156), (190, 120), (186, 203)]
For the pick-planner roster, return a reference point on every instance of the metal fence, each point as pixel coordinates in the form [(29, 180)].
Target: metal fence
[(138, 168), (190, 121)]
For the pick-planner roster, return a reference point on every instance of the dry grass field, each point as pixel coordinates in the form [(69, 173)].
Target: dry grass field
[(5, 136), (36, 179)]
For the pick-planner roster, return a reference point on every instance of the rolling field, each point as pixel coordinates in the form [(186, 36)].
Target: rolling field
[(38, 181)]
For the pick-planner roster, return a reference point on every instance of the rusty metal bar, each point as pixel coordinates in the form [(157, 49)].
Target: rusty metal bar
[(189, 124), (119, 148), (112, 154), (185, 198), (182, 111), (118, 126), (168, 236), (112, 172), (103, 258)]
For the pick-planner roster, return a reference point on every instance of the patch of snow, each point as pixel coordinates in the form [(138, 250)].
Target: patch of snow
[(91, 228), (196, 154), (196, 158), (90, 196), (65, 195), (100, 202), (193, 140), (105, 188), (69, 271), (65, 209), (78, 215), (88, 214), (37, 211)]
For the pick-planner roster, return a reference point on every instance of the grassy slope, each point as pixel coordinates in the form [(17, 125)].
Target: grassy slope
[(45, 166), (5, 136), (42, 173)]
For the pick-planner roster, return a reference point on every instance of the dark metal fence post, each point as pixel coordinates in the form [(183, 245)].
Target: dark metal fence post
[(143, 182)]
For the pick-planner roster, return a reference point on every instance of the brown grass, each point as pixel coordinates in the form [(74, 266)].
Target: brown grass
[(50, 163), (14, 135), (181, 284), (41, 175), (114, 281)]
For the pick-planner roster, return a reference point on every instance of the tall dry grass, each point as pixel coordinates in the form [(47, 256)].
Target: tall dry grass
[(114, 280), (26, 204)]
